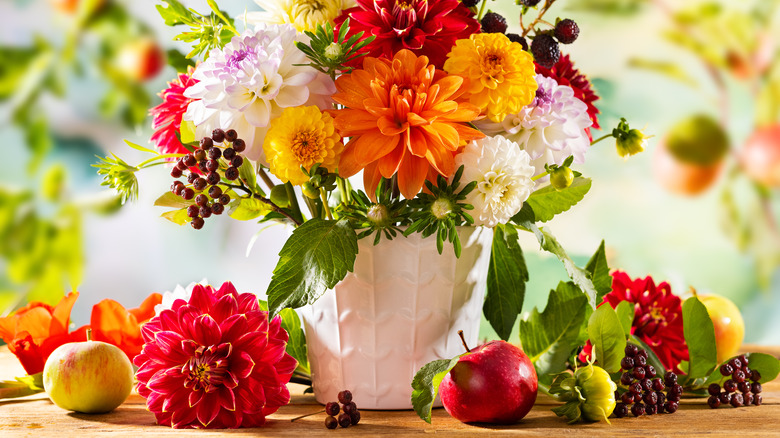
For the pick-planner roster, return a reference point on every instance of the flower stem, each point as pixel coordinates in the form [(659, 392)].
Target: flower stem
[(481, 10), (265, 178), (538, 19), (325, 206), (604, 137), (267, 201), (294, 203)]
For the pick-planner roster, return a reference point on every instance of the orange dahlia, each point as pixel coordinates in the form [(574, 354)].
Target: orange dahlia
[(405, 117)]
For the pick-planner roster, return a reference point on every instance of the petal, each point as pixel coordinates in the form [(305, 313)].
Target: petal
[(206, 331), (411, 175), (145, 311)]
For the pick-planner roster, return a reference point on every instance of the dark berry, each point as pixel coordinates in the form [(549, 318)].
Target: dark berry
[(530, 3), (239, 145), (212, 178), (661, 397), (206, 143), (658, 384), (199, 155), (192, 211), (725, 398), (621, 410), (199, 184), (231, 173), (331, 422), (676, 389), (350, 407), (713, 389), (515, 38), (212, 165), (493, 23), (673, 397), (651, 409), (638, 397), (197, 223), (638, 410), (755, 388), (748, 372), (189, 160), (177, 186), (205, 211), (735, 363), (215, 192), (647, 384), (631, 350), (738, 376), (757, 400), (192, 177), (545, 50), (755, 375), (642, 352), (229, 153), (215, 153), (344, 420), (224, 199), (747, 398), (627, 398), (743, 387), (218, 135), (742, 358), (345, 397), (567, 31), (729, 385), (640, 361), (626, 378), (331, 408), (355, 417), (470, 3), (650, 398), (660, 407), (726, 369), (650, 371), (627, 363), (176, 172), (635, 387), (188, 193), (201, 200), (217, 208), (737, 400), (670, 379), (180, 164), (639, 373), (237, 161), (231, 135), (671, 406), (713, 401), (202, 166)]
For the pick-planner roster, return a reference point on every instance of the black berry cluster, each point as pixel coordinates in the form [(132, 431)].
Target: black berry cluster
[(545, 46), (493, 23), (214, 160), (350, 415), (644, 394), (742, 389)]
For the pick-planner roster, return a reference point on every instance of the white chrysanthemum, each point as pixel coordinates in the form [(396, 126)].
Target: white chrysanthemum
[(503, 174), (179, 293), (250, 82), (303, 14), (550, 129)]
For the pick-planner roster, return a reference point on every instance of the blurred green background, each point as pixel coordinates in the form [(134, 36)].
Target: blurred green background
[(65, 97)]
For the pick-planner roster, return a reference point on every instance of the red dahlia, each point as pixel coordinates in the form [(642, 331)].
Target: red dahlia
[(565, 73), (426, 27), (657, 317), (214, 362), (166, 117)]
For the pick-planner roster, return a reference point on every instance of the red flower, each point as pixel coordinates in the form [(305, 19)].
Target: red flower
[(565, 74), (34, 331), (166, 119), (657, 317), (426, 27), (214, 362)]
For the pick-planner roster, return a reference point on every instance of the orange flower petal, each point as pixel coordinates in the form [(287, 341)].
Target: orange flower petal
[(372, 146), (145, 311), (371, 178), (389, 164), (411, 175), (61, 314)]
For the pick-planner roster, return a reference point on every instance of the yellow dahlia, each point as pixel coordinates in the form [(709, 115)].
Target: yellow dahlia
[(303, 14), (301, 136), (500, 73)]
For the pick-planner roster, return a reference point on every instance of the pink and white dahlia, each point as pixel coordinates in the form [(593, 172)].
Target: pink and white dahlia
[(251, 80), (166, 117), (551, 128), (214, 361)]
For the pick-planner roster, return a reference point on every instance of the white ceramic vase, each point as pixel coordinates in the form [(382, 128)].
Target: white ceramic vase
[(400, 309)]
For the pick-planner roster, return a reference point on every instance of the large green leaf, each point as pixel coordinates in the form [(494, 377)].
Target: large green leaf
[(767, 365), (507, 275), (599, 272), (607, 336), (549, 337), (316, 257), (249, 208), (426, 383), (700, 337), (549, 201), (625, 312)]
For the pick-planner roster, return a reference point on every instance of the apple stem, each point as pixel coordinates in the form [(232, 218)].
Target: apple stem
[(307, 415), (89, 334), (463, 339)]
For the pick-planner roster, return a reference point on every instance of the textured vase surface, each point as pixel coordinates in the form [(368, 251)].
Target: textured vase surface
[(401, 308)]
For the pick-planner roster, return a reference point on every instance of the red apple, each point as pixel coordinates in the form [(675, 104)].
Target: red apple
[(141, 59), (728, 323), (493, 383), (760, 157)]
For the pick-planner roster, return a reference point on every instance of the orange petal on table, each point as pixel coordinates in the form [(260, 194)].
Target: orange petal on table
[(37, 321), (28, 353), (112, 323), (145, 311), (411, 175)]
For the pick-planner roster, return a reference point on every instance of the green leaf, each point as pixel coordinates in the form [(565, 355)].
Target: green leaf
[(296, 345), (138, 147), (187, 132), (625, 313), (172, 200), (425, 385), (316, 257), (570, 410), (607, 336), (767, 365), (247, 174), (599, 272), (548, 201), (700, 337), (174, 13), (249, 208), (507, 275), (652, 359), (178, 217), (549, 337)]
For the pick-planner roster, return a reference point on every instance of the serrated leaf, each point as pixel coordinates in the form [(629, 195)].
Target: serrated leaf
[(625, 313), (249, 208), (507, 275), (178, 217), (296, 344), (700, 337), (599, 272), (606, 335), (425, 385), (549, 337), (316, 257), (548, 201)]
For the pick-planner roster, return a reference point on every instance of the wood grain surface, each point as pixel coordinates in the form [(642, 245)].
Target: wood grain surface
[(36, 416)]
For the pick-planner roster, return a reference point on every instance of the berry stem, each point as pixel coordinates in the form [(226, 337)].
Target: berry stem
[(307, 415), (267, 201), (463, 339), (538, 19), (265, 178)]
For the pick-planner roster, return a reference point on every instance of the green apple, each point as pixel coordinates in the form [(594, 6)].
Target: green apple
[(90, 377)]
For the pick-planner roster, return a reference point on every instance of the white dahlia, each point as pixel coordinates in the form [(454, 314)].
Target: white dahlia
[(550, 129), (503, 174), (303, 14), (250, 82)]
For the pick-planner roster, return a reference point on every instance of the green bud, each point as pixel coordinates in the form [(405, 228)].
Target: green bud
[(53, 183), (441, 207), (631, 143), (279, 196), (561, 178), (599, 391), (310, 191), (379, 215), (333, 52)]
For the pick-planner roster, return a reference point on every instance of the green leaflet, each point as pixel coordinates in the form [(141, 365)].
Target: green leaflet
[(507, 275), (549, 337), (548, 201), (599, 272), (296, 345), (316, 257), (425, 385), (249, 208), (700, 337), (607, 336), (625, 313)]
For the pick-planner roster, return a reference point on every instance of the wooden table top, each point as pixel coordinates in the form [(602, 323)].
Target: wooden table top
[(37, 416)]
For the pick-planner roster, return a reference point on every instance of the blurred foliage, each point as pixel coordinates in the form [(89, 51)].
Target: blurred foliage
[(206, 31), (608, 7)]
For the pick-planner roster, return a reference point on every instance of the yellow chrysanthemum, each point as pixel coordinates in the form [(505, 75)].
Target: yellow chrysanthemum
[(301, 136), (303, 14), (500, 73)]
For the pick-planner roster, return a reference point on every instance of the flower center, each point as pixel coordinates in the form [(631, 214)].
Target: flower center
[(237, 57), (306, 146), (441, 208), (207, 368), (542, 97), (407, 14), (492, 64)]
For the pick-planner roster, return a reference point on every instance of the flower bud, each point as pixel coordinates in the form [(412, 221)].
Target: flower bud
[(379, 215), (631, 143), (561, 178), (599, 392), (310, 191), (441, 208), (333, 52)]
